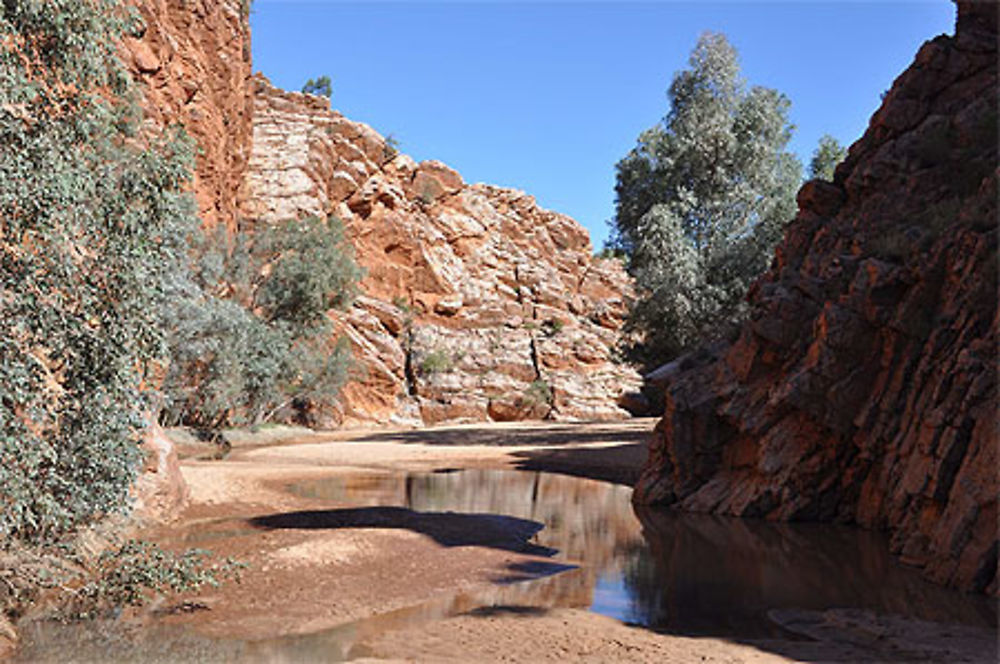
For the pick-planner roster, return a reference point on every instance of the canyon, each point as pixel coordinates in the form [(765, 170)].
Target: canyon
[(476, 305), (862, 389), (420, 515)]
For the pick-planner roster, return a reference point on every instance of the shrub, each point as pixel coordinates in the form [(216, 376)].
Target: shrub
[(320, 86), (233, 367), (436, 361), (92, 220), (390, 148), (312, 271), (130, 574), (538, 393), (828, 153)]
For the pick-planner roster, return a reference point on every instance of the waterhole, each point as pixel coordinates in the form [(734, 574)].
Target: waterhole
[(684, 574)]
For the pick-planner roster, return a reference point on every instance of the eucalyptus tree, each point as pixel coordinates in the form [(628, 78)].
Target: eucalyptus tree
[(701, 201), (92, 225), (828, 153)]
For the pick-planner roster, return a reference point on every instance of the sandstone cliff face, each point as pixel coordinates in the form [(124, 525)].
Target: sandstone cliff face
[(477, 304), (863, 389), (193, 68)]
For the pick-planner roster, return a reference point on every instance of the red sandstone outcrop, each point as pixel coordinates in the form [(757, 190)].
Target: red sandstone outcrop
[(192, 63), (477, 304), (863, 389)]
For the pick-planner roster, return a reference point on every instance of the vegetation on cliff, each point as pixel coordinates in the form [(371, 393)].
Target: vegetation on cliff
[(701, 201), (101, 313), (250, 336), (92, 226), (828, 153)]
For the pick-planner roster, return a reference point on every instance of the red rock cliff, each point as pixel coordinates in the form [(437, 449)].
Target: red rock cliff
[(863, 389), (477, 303), (193, 66)]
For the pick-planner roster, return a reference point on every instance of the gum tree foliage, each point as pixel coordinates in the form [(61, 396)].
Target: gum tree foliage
[(92, 221), (96, 291), (253, 336), (701, 201), (828, 153), (319, 86)]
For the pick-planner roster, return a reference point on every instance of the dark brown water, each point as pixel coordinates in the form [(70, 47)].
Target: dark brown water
[(683, 574)]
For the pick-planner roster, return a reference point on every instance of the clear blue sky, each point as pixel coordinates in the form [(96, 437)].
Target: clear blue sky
[(547, 97)]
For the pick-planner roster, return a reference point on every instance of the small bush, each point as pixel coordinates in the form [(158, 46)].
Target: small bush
[(390, 148), (538, 393), (320, 86), (437, 361), (131, 574), (232, 367), (554, 326), (400, 303)]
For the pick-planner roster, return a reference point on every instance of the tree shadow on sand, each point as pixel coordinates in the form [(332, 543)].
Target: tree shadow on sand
[(619, 464), (446, 528)]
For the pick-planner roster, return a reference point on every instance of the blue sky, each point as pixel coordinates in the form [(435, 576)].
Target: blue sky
[(547, 97)]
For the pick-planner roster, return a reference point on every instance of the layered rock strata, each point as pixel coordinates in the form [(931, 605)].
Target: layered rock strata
[(863, 388), (477, 304)]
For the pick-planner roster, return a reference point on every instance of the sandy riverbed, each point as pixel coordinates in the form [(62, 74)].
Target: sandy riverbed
[(334, 573)]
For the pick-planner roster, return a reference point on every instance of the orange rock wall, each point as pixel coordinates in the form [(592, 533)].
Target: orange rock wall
[(472, 293), (193, 66), (863, 389)]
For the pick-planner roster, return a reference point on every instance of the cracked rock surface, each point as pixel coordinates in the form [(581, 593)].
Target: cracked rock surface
[(477, 304), (863, 388)]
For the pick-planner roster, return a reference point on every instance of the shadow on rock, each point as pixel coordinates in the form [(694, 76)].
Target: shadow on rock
[(446, 528)]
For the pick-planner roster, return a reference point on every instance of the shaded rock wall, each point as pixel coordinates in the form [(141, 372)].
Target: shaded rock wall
[(193, 66), (477, 304), (863, 389)]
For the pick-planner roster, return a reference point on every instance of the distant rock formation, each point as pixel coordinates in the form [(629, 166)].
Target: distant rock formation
[(863, 388), (477, 304)]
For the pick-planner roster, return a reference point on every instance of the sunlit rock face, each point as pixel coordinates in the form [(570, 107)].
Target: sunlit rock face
[(192, 63), (863, 388), (476, 305)]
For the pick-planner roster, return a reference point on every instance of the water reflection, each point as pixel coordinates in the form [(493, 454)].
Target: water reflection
[(702, 574), (677, 573), (684, 573)]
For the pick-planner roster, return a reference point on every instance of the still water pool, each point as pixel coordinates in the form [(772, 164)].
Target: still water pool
[(685, 574)]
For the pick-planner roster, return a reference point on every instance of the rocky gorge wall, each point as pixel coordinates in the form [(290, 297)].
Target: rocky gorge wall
[(863, 388), (192, 63), (476, 305)]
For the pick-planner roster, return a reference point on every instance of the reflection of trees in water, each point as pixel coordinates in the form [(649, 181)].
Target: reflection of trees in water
[(704, 574)]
